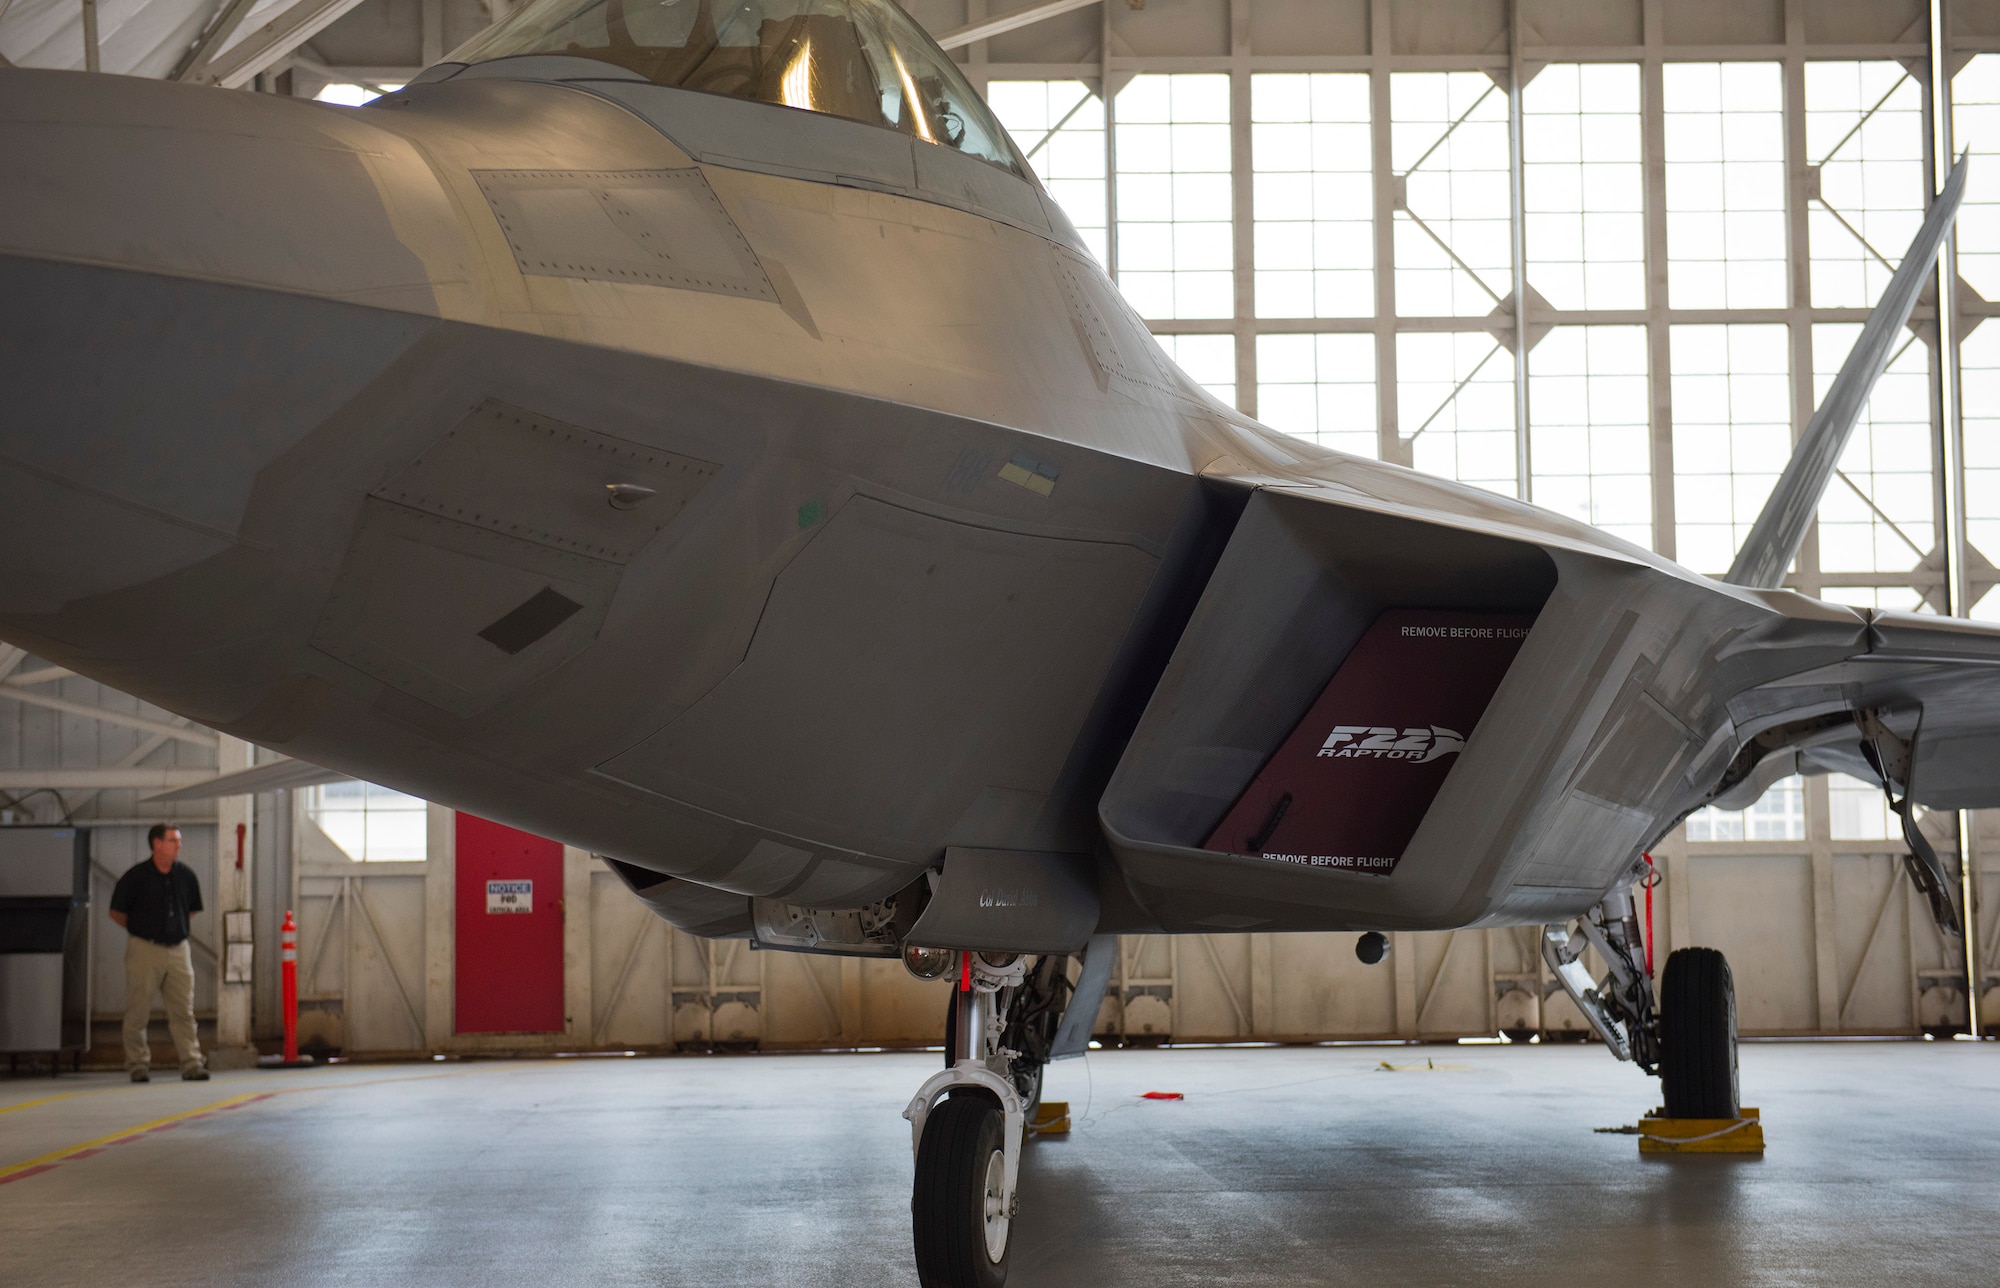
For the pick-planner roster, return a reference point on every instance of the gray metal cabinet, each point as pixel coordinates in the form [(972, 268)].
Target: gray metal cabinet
[(44, 940)]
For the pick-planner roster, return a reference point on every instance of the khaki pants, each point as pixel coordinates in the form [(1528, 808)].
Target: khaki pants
[(154, 968)]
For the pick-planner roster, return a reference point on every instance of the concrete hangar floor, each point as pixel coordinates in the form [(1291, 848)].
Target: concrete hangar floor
[(1286, 1166)]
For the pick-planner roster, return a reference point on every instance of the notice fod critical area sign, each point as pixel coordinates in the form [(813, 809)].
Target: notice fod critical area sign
[(510, 896), (1348, 786)]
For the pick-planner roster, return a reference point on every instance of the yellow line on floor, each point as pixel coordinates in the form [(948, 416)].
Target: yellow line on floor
[(30, 1104), (56, 1156), (48, 1160), (412, 1077)]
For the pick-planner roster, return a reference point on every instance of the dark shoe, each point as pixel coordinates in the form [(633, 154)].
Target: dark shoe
[(196, 1074), (140, 1075)]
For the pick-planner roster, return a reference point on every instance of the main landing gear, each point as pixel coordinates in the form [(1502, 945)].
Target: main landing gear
[(969, 1121), (1686, 1035), (1698, 1035)]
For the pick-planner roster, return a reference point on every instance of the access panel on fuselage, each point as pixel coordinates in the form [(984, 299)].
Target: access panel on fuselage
[(1352, 781)]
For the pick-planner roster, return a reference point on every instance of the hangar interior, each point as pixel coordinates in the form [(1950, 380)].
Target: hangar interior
[(1323, 211), (1326, 211)]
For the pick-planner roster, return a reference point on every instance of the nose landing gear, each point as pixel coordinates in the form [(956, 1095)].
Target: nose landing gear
[(969, 1120)]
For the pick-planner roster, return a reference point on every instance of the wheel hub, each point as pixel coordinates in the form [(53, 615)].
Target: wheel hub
[(994, 1202)]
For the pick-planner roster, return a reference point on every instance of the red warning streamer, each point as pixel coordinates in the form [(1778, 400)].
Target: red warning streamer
[(1652, 879)]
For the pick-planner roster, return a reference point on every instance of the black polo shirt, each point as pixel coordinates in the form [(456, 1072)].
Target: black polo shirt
[(157, 904)]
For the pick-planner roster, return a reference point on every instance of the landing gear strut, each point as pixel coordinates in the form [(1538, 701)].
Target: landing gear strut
[(1620, 1006), (969, 1121), (1687, 1036)]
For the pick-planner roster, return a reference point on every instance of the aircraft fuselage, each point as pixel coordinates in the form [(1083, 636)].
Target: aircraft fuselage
[(773, 532)]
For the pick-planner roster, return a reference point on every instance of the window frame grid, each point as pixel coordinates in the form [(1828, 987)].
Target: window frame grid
[(1797, 314)]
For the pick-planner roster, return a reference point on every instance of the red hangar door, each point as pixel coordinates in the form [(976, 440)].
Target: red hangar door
[(509, 959)]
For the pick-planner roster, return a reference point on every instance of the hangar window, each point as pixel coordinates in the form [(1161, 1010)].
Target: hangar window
[(1312, 174), (370, 823), (353, 94), (1778, 815), (1175, 196), (1865, 181), (1059, 127), (1877, 513), (1320, 387), (1455, 402), (1450, 155), (1976, 124), (1901, 599), (1725, 171), (1859, 812), (860, 59), (1209, 359), (1979, 395), (1590, 427), (1584, 186), (1732, 398)]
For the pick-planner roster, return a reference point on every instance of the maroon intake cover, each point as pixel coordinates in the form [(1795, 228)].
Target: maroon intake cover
[(1348, 787)]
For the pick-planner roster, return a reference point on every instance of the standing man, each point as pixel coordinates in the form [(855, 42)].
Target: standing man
[(153, 902)]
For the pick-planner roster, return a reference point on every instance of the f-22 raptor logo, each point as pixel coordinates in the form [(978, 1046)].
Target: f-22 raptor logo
[(1421, 744)]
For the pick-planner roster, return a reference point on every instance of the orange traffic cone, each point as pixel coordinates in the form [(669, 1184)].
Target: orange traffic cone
[(288, 975)]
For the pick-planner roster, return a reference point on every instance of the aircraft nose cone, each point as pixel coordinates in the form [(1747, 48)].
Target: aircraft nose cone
[(178, 276)]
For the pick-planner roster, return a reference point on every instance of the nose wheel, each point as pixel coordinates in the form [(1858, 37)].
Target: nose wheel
[(969, 1121), (961, 1209)]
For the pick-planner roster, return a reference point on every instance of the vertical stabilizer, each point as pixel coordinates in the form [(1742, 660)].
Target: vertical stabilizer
[(1774, 539)]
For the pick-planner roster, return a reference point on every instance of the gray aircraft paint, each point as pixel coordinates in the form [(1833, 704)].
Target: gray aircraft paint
[(949, 555)]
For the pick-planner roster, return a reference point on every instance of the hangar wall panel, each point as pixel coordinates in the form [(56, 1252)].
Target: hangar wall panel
[(1773, 993), (1821, 944), (1825, 933), (1826, 937)]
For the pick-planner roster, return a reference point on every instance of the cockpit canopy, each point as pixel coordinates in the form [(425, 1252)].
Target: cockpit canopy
[(865, 60)]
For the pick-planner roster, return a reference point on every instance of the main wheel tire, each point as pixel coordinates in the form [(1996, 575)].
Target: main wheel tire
[(1698, 1035), (957, 1210)]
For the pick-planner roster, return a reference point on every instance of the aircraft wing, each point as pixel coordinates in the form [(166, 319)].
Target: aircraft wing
[(1915, 709), (1935, 684)]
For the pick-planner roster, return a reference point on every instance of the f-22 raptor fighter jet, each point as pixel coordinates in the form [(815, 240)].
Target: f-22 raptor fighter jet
[(686, 428)]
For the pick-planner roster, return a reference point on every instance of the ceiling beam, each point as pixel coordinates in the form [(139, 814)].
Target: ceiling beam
[(41, 676), (101, 780), (1014, 21), (180, 732), (214, 39), (271, 41)]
